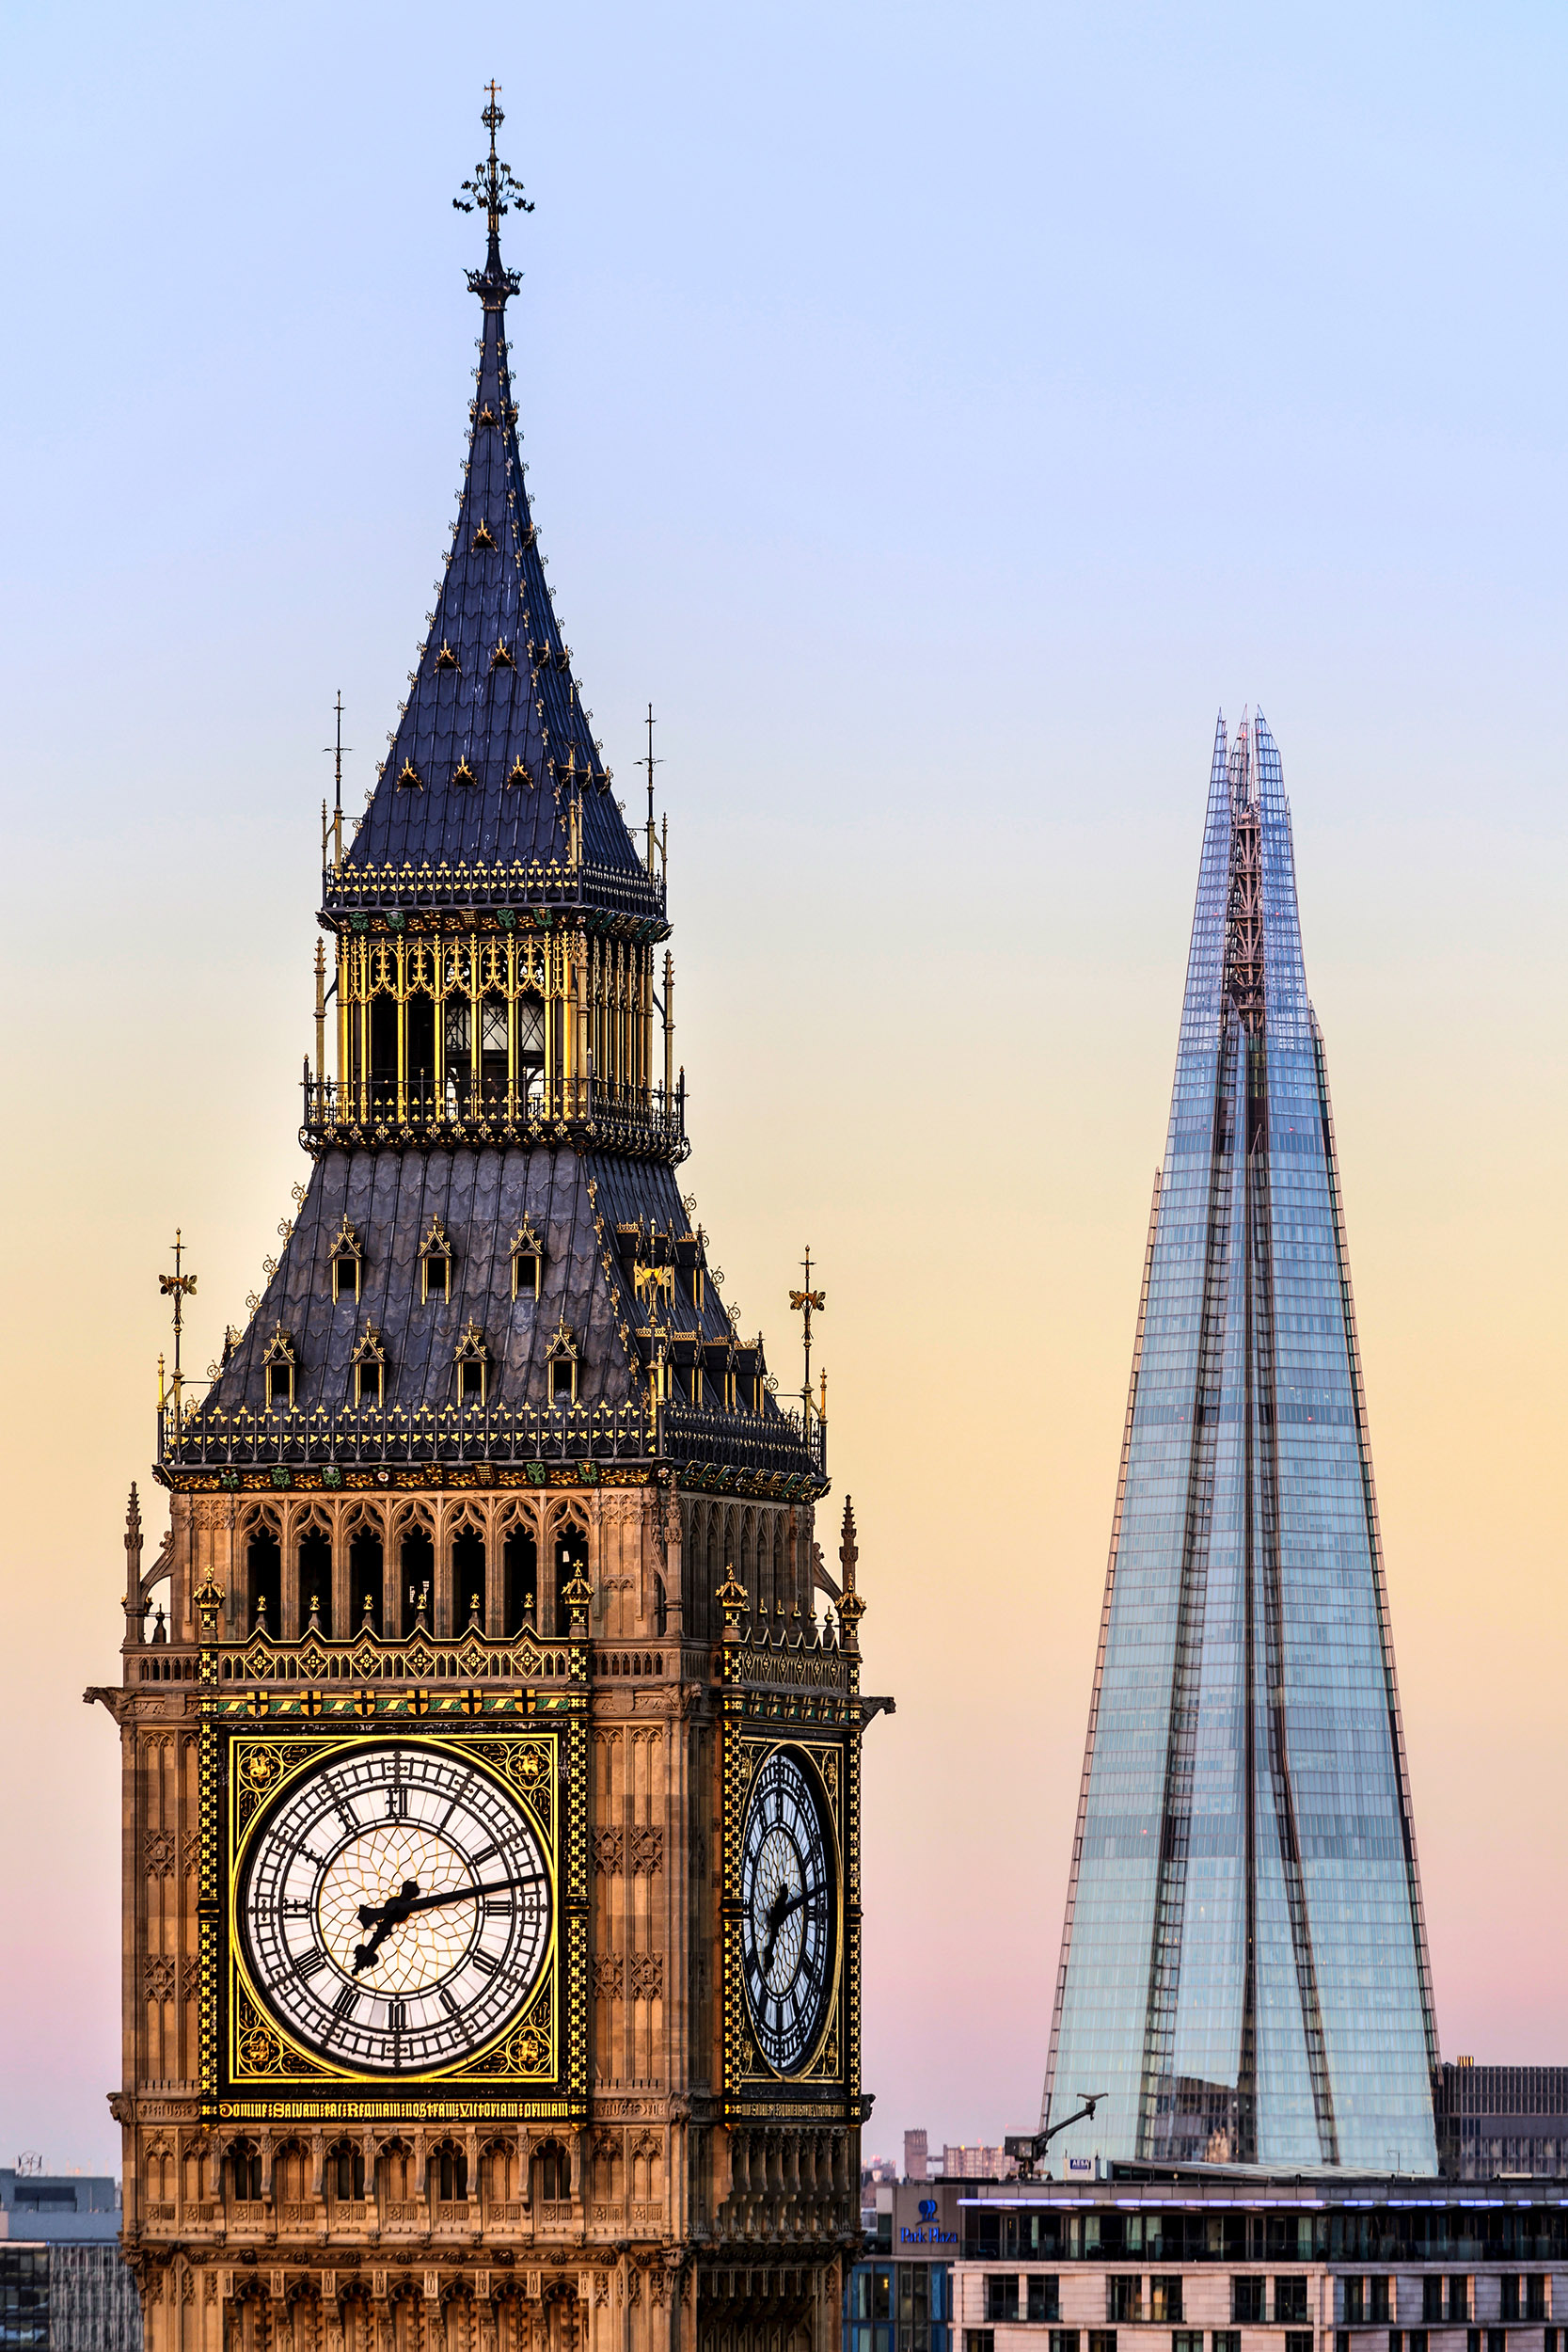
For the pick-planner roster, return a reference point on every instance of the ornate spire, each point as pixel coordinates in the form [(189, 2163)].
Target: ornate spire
[(852, 1608), (494, 188)]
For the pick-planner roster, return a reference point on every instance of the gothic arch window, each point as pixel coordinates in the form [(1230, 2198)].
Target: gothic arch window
[(242, 2168), (345, 2171), (552, 2173), (563, 1366), (467, 1575), (367, 1371), (492, 1046), (498, 2170), (661, 1607), (364, 1581), (313, 1570), (520, 1572), (383, 1040), (471, 1367), (347, 1260), (527, 1262), (436, 1263), (418, 1015), (265, 1579), (417, 1566), (448, 2173), (279, 1366), (570, 1547), (530, 1048), (456, 1030), (394, 2171), (291, 2173)]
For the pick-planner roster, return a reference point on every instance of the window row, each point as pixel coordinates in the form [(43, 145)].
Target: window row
[(472, 1370), (370, 1592), (347, 1260), (1182, 2340)]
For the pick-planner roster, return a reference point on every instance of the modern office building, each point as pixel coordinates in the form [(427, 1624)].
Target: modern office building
[(898, 2297), (1243, 1975), (1497, 2121), (1155, 2260), (63, 2286)]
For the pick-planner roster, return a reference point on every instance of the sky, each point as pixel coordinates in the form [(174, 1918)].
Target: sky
[(938, 414)]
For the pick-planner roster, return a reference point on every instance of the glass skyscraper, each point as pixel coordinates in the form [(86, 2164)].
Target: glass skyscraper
[(1243, 1971)]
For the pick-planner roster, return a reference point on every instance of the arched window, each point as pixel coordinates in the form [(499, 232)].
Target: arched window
[(345, 2170), (383, 1042), (347, 1257), (520, 1569), (419, 1014), (448, 2173), (530, 1049), (264, 1580), (561, 1359), (314, 1563), (417, 1559), (571, 1560), (471, 1367), (552, 2173), (291, 2173), (491, 1047), (455, 1049), (244, 2172), (661, 1607), (468, 1577), (364, 1581)]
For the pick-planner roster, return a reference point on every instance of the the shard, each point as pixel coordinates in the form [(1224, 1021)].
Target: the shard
[(1243, 1972)]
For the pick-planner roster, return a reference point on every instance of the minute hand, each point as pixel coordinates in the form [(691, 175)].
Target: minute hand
[(404, 1906)]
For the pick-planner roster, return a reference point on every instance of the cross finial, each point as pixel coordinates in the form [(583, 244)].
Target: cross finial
[(178, 1287), (806, 1303), (493, 186)]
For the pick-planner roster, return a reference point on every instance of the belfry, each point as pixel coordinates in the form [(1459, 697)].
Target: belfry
[(490, 1781)]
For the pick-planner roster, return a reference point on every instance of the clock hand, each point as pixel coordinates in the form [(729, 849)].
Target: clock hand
[(383, 1918), (785, 1902)]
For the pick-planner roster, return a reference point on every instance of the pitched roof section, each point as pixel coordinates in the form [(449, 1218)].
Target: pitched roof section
[(493, 745)]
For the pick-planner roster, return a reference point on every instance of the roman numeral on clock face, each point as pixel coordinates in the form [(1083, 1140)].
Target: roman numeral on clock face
[(345, 2004)]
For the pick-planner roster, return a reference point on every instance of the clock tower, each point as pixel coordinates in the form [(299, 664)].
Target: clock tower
[(490, 1777)]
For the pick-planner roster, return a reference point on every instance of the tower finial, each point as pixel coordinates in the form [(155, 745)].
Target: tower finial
[(494, 190)]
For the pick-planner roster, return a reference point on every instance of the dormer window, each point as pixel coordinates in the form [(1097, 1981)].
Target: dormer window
[(367, 1371), (409, 778), (517, 773), (446, 659), (503, 658), (561, 1358), (279, 1366), (463, 774), (472, 1367), (527, 1262), (436, 1263), (347, 1257), (484, 536)]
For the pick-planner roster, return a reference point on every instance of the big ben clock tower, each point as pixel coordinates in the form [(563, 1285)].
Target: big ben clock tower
[(490, 1781)]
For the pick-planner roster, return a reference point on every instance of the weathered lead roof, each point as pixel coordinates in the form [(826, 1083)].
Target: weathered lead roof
[(493, 699)]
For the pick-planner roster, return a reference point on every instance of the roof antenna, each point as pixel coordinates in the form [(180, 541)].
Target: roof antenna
[(650, 763), (337, 750)]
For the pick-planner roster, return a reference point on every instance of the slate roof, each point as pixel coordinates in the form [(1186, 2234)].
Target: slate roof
[(481, 1198), (493, 698)]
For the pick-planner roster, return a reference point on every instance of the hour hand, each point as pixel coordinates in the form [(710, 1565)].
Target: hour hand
[(785, 1902)]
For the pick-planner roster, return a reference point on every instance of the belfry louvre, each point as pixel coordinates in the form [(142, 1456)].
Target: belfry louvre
[(491, 1781)]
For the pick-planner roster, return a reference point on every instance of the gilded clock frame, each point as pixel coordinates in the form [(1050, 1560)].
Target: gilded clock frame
[(829, 2077), (253, 2069)]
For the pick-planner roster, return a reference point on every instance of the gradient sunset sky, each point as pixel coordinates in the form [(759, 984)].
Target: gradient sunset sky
[(939, 413)]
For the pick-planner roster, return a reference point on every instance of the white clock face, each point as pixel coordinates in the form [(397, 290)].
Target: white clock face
[(395, 1908), (789, 1912)]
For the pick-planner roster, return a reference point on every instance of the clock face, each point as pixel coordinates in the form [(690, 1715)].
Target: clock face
[(789, 1912), (395, 1908)]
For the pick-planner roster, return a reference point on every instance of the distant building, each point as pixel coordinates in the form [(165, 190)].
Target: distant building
[(976, 2163), (915, 2154), (63, 2286), (899, 2297), (1504, 2120)]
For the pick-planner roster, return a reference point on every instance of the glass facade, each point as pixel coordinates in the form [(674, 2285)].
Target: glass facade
[(898, 2306), (1243, 1972)]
